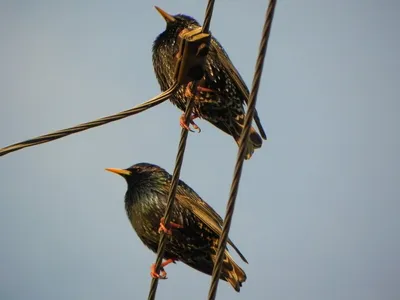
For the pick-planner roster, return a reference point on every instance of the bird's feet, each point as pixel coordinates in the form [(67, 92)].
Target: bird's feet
[(186, 126), (162, 274), (188, 90), (167, 230)]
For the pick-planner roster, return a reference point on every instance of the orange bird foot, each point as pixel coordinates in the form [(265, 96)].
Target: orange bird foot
[(186, 126), (153, 273), (162, 274), (167, 230), (188, 90)]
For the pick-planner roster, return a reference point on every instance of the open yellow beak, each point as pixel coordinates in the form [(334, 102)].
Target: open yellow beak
[(167, 17), (121, 172)]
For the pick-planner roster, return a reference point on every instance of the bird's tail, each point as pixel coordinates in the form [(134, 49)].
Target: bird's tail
[(254, 142), (232, 273)]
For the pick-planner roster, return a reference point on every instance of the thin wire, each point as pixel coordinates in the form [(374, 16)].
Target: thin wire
[(208, 16), (178, 166), (171, 195), (85, 126), (241, 153)]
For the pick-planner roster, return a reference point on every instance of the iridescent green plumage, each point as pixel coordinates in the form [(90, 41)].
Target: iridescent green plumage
[(196, 242)]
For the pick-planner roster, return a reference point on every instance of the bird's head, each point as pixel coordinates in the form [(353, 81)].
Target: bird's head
[(175, 24), (140, 174)]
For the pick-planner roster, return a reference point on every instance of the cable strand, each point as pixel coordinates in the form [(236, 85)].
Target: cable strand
[(85, 126), (242, 150), (177, 169), (208, 16), (171, 196)]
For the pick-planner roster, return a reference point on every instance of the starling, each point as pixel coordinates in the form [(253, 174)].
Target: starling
[(193, 232), (218, 99)]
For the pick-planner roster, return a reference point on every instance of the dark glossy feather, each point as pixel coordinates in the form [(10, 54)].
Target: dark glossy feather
[(224, 106), (196, 243)]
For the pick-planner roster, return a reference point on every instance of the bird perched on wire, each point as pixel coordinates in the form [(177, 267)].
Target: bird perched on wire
[(221, 93), (193, 232)]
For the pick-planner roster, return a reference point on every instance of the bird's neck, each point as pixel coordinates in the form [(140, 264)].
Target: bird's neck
[(143, 187)]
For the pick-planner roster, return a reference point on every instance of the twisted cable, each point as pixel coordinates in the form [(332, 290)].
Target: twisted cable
[(208, 16), (177, 169), (85, 126), (241, 152), (171, 196)]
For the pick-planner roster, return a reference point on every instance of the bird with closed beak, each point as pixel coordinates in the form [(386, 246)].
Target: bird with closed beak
[(221, 93), (194, 230)]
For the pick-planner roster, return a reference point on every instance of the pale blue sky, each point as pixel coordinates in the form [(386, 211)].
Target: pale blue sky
[(317, 211)]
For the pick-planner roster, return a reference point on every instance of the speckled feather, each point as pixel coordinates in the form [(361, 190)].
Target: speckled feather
[(224, 107), (196, 243)]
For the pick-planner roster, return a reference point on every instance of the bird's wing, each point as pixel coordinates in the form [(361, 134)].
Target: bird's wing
[(190, 200), (224, 58)]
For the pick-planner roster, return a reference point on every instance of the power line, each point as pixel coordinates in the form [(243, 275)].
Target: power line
[(85, 126), (241, 152), (178, 165)]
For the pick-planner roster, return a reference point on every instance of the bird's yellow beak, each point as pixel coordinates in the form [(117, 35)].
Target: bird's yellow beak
[(121, 172), (167, 17)]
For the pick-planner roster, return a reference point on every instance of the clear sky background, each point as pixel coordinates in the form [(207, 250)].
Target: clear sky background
[(317, 211)]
